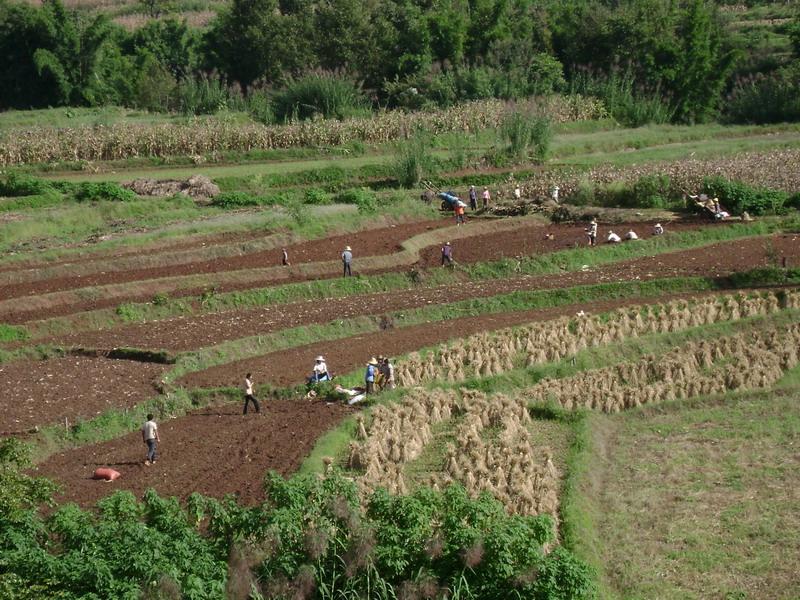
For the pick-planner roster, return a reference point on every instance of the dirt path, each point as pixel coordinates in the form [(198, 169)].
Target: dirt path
[(72, 387), (187, 333), (214, 451)]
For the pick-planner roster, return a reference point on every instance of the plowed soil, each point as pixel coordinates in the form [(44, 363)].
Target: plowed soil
[(376, 242), (217, 450), (521, 241), (292, 366), (214, 451), (187, 333), (72, 387)]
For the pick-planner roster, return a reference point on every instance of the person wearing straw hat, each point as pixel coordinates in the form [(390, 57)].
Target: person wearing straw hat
[(591, 231), (249, 395), (320, 371), (447, 254), (347, 258), (369, 375), (658, 229)]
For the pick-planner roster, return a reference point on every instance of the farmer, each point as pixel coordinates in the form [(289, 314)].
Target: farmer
[(150, 437), (613, 238), (486, 197), (554, 193), (459, 210), (631, 235), (388, 374), (347, 258), (517, 193), (658, 229), (285, 258), (369, 375), (249, 396), (473, 198), (320, 371), (591, 231), (447, 255)]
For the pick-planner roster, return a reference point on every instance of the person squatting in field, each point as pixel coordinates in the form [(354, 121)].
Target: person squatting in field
[(249, 396), (320, 371), (150, 437)]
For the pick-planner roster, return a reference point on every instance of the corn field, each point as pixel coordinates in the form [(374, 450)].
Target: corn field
[(210, 136), (485, 354), (775, 169)]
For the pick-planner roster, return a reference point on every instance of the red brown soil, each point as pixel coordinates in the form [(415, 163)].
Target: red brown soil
[(72, 387), (214, 451), (289, 367), (376, 242), (529, 239), (187, 333)]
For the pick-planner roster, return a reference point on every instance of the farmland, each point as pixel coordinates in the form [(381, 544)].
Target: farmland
[(569, 421)]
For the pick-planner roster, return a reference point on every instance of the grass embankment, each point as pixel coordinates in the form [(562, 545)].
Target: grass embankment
[(556, 262), (692, 499)]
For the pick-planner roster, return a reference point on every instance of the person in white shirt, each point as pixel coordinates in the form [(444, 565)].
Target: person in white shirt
[(554, 193), (249, 395), (320, 371), (388, 370), (631, 235), (613, 238), (150, 437), (517, 193), (658, 229)]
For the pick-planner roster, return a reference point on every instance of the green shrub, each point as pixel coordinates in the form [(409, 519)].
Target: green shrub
[(320, 94), (363, 198), (239, 199), (106, 190), (259, 105), (317, 196), (651, 191), (738, 197), (18, 184), (414, 160), (12, 333), (771, 98), (527, 137)]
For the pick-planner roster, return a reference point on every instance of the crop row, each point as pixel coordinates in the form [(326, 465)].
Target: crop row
[(485, 355), (774, 169), (207, 137), (745, 361), (520, 475)]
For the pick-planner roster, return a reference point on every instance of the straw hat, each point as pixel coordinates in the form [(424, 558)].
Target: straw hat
[(347, 249), (594, 221), (373, 362), (658, 224), (320, 358), (447, 244)]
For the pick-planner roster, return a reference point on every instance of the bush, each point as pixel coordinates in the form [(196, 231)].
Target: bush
[(652, 191), (738, 197), (239, 199), (527, 137), (259, 105), (363, 198), (17, 184), (106, 190), (317, 196), (320, 94), (414, 160), (208, 94), (772, 98)]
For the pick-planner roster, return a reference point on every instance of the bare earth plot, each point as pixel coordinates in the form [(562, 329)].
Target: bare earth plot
[(186, 333)]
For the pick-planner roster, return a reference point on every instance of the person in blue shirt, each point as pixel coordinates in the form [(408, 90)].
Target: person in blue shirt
[(369, 375)]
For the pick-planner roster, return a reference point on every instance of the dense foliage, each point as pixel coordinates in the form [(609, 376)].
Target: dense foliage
[(310, 539), (650, 59)]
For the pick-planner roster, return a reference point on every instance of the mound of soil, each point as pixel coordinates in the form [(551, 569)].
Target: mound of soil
[(198, 187)]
